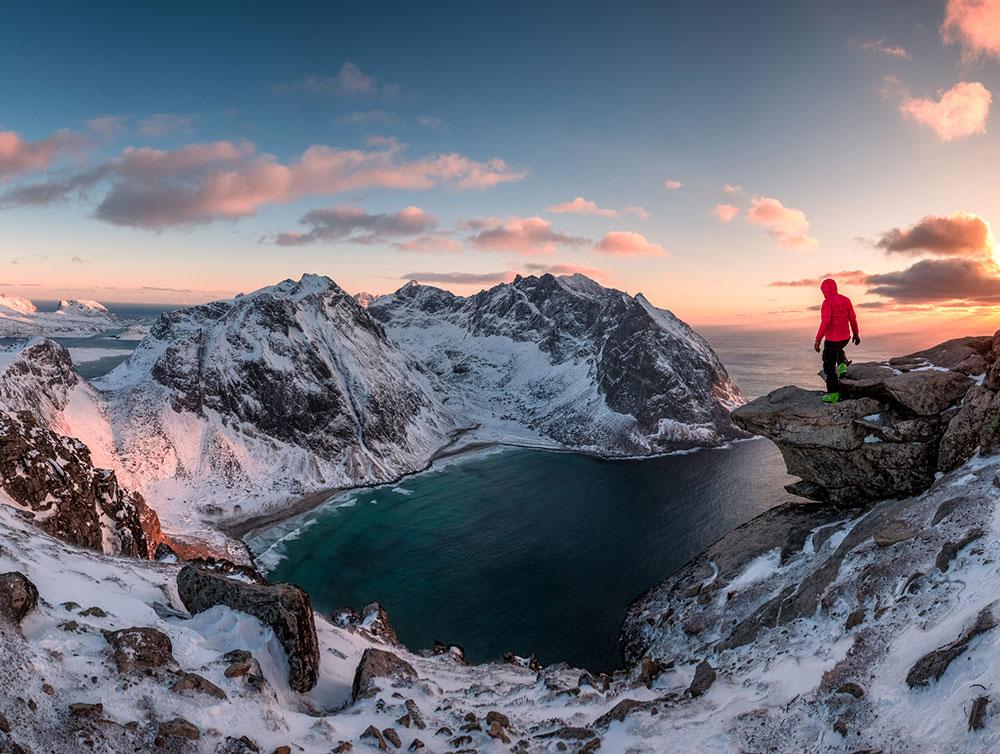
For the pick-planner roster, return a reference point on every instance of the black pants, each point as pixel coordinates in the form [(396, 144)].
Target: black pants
[(833, 354)]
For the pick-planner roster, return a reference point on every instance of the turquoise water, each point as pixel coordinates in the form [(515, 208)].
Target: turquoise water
[(523, 550)]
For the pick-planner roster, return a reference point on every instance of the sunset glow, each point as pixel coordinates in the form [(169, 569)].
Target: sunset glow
[(680, 162)]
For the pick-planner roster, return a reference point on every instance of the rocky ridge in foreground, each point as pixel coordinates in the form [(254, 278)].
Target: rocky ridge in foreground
[(900, 424)]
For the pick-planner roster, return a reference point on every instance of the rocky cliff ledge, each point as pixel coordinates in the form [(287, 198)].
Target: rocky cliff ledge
[(901, 423)]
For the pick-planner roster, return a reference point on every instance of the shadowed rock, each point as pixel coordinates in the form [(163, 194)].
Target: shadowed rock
[(283, 607), (377, 663), (18, 597)]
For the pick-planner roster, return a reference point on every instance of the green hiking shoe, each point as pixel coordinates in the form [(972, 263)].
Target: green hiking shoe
[(842, 369), (830, 398)]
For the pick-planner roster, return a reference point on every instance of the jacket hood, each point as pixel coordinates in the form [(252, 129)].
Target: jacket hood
[(829, 287)]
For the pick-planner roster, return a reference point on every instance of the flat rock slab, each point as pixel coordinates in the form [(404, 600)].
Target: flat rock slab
[(931, 666), (894, 532)]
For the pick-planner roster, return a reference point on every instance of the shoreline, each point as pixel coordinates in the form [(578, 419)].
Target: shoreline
[(240, 530)]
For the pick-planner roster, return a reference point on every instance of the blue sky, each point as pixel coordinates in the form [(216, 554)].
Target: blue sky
[(798, 103)]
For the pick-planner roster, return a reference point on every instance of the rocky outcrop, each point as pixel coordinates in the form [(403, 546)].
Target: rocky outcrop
[(377, 663), (53, 478), (18, 597), (283, 607), (899, 424)]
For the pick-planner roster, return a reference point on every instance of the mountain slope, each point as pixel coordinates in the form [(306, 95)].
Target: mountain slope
[(21, 318), (565, 361), (284, 390)]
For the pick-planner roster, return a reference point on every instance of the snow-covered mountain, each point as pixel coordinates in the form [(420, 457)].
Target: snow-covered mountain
[(282, 391), (565, 361), (21, 318)]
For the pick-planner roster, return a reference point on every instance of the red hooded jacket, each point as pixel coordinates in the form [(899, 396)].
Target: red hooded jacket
[(837, 320)]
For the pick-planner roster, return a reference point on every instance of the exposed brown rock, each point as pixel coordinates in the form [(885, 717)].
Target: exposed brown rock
[(283, 607), (378, 663), (18, 597), (141, 650), (933, 665)]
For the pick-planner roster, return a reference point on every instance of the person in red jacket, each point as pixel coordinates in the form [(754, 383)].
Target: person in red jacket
[(837, 324)]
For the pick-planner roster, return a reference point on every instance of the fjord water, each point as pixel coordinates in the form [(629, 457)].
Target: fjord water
[(524, 550), (541, 552)]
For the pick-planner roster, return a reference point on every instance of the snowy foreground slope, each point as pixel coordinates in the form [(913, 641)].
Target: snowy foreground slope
[(565, 361), (21, 318)]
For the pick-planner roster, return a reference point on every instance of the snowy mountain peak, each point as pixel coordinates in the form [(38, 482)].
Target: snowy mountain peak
[(84, 307), (17, 304)]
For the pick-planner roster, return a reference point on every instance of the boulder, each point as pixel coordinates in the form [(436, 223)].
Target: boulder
[(283, 607), (377, 663), (18, 597), (704, 677), (141, 650), (975, 426)]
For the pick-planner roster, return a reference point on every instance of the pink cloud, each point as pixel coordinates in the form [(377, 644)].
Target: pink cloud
[(430, 244), (350, 81), (162, 124), (725, 212), (958, 113), (521, 235), (786, 225), (973, 24), (19, 156), (672, 185), (581, 206), (730, 188), (627, 243), (203, 183)]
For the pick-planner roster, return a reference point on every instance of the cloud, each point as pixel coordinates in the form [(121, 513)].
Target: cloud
[(970, 281), (223, 180), (883, 47), (958, 113), (368, 117), (350, 81), (567, 269), (958, 234), (19, 156), (461, 278), (521, 235), (51, 190), (730, 188), (845, 277), (627, 243), (79, 260), (672, 185), (164, 124), (354, 225), (581, 206), (108, 125), (973, 24), (430, 243), (429, 121), (786, 225), (725, 212)]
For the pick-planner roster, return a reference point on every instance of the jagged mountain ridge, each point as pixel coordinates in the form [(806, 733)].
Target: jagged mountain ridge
[(290, 388), (20, 318), (565, 360)]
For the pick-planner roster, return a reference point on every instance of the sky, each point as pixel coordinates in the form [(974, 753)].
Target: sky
[(719, 157)]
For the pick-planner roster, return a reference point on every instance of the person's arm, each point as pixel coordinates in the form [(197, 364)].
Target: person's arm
[(854, 323), (824, 323)]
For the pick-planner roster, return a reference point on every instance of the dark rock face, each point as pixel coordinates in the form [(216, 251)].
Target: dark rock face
[(54, 477), (641, 362), (377, 663), (18, 597), (373, 621), (283, 607), (897, 425)]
